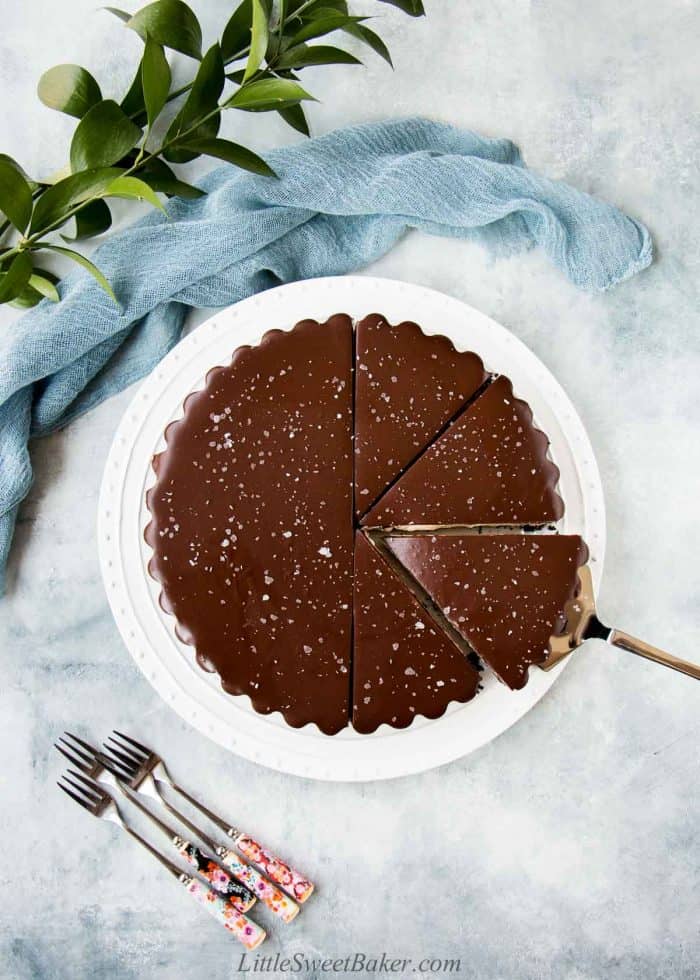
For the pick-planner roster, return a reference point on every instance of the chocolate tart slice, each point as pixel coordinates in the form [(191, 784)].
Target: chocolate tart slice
[(490, 467), (252, 524), (408, 386), (404, 665), (505, 593)]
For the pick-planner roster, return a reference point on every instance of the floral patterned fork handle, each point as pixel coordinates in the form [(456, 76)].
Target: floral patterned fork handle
[(236, 892), (293, 882), (95, 766), (244, 929), (97, 800), (138, 764), (239, 895), (276, 870), (270, 895)]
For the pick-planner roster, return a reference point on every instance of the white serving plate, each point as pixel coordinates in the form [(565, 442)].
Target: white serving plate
[(148, 632)]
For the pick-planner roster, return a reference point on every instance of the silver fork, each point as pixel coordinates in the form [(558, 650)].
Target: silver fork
[(271, 896), (86, 758), (139, 766), (95, 798)]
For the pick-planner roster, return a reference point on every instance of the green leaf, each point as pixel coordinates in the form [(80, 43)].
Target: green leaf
[(121, 14), (103, 136), (94, 219), (202, 100), (133, 103), (33, 184), (295, 117), (155, 78), (240, 156), (174, 187), (15, 194), (414, 8), (16, 278), (40, 282), (26, 299), (170, 23), (57, 200), (302, 56), (236, 34), (204, 94), (159, 176), (70, 89), (86, 264), (258, 39), (134, 189), (330, 21), (268, 93), (370, 38)]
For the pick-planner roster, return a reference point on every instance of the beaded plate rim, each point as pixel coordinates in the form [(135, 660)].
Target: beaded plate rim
[(148, 632)]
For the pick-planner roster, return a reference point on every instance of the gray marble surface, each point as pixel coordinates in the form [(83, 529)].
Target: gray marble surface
[(568, 848)]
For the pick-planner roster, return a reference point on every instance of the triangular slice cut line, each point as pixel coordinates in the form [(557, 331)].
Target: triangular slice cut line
[(408, 386), (488, 468), (504, 593), (404, 665)]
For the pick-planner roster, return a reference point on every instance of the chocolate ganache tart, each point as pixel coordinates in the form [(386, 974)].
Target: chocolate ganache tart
[(351, 521)]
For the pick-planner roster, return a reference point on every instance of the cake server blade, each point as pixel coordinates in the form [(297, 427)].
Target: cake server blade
[(582, 623)]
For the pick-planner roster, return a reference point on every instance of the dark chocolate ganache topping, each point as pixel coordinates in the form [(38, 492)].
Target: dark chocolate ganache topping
[(408, 386), (489, 467), (404, 664), (505, 593), (252, 529), (259, 494)]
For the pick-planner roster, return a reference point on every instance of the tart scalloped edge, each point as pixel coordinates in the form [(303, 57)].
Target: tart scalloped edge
[(541, 437), (268, 337), (376, 536), (410, 326), (423, 601)]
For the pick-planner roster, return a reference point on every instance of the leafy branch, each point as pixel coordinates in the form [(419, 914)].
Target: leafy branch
[(114, 151)]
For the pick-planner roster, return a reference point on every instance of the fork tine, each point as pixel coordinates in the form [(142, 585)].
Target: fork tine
[(88, 800), (90, 749), (73, 759), (87, 786), (78, 799), (126, 761), (87, 758), (137, 745), (111, 765)]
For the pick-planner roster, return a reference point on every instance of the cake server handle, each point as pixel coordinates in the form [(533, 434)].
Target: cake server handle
[(624, 641)]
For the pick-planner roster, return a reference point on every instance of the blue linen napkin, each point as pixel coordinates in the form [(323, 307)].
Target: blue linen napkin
[(341, 201)]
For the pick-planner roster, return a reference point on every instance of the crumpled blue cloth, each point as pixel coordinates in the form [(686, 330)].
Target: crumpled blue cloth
[(341, 201)]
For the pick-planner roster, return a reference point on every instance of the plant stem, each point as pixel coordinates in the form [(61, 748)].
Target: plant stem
[(144, 158), (243, 53), (138, 165), (185, 88)]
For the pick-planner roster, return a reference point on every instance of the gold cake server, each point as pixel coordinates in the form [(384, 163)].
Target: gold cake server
[(582, 624)]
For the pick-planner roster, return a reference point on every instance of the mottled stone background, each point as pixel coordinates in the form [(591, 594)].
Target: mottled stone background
[(568, 848)]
